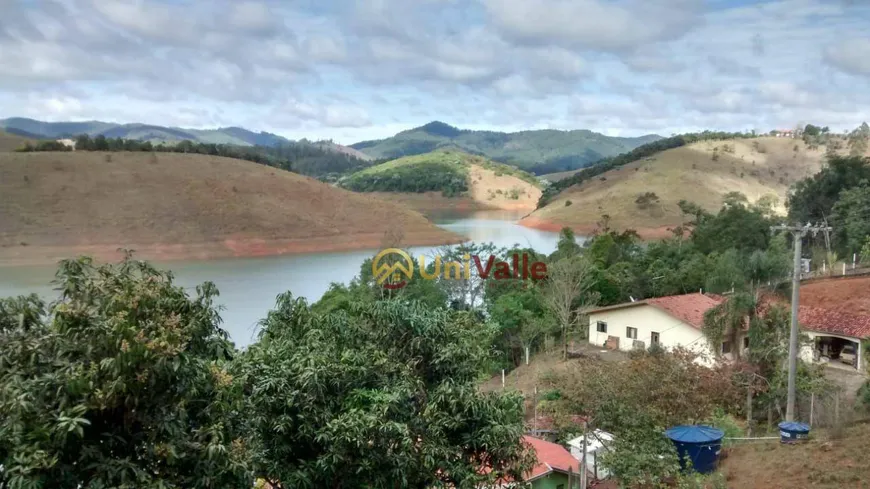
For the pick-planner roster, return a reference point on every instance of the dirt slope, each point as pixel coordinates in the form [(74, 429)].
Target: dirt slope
[(11, 142), (174, 206), (822, 462), (487, 191), (755, 167)]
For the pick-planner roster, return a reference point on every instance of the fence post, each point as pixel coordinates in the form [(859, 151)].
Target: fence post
[(844, 268), (812, 406)]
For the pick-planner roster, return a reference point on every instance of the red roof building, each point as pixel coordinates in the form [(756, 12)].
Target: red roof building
[(670, 322), (551, 459)]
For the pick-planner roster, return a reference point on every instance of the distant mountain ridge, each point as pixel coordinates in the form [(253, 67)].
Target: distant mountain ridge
[(141, 132), (537, 151)]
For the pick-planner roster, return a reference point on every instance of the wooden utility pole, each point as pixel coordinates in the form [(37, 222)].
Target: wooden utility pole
[(798, 232)]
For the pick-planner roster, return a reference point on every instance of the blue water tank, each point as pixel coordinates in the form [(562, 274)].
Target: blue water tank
[(793, 432), (698, 444)]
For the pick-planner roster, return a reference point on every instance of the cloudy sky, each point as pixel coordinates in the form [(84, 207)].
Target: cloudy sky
[(360, 69)]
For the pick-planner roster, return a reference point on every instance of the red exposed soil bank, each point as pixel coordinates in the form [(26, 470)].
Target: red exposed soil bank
[(589, 229), (236, 247)]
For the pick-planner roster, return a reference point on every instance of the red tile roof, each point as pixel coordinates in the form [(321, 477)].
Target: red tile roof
[(550, 457), (823, 320), (689, 308), (834, 321)]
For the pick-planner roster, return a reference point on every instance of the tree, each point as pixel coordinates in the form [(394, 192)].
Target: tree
[(850, 218), (726, 321), (636, 400), (813, 198), (520, 315), (859, 140), (120, 383), (567, 293), (735, 226), (567, 245), (382, 396)]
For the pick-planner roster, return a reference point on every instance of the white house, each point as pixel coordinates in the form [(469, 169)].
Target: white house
[(668, 321), (597, 443)]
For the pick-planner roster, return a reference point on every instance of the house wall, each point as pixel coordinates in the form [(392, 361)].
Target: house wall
[(551, 481), (648, 319)]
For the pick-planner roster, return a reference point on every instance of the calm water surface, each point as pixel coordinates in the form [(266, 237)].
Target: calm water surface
[(248, 286)]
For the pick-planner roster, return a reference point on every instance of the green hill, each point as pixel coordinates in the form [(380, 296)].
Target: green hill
[(541, 151), (452, 174)]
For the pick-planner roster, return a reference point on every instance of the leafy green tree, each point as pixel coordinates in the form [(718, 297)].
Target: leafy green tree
[(813, 198), (735, 226), (120, 383), (521, 317), (383, 396), (567, 245), (850, 218)]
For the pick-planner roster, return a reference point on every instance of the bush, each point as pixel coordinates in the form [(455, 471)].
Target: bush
[(568, 203), (552, 395), (647, 200)]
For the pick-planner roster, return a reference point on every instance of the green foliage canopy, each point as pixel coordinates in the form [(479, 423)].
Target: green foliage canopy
[(121, 383), (384, 394)]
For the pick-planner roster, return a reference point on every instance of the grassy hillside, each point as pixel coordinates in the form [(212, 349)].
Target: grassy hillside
[(12, 142), (642, 193), (168, 205), (540, 152), (452, 174)]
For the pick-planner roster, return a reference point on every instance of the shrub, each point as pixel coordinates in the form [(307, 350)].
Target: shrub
[(568, 203)]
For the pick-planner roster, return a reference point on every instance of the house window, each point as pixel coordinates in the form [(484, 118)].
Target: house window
[(726, 347), (745, 342), (631, 333), (654, 338), (602, 327)]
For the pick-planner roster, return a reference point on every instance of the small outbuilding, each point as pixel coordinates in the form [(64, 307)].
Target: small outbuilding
[(597, 443)]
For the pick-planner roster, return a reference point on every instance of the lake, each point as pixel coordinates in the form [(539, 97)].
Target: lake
[(248, 286)]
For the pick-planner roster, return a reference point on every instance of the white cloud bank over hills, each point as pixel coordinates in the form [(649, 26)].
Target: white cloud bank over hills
[(361, 69)]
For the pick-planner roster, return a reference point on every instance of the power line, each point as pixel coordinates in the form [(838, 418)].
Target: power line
[(798, 232)]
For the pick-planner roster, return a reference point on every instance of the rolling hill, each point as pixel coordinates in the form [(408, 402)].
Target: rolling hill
[(12, 142), (178, 206), (448, 179), (539, 152), (236, 136), (642, 193)]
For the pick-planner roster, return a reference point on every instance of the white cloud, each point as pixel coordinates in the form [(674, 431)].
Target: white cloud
[(368, 68)]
